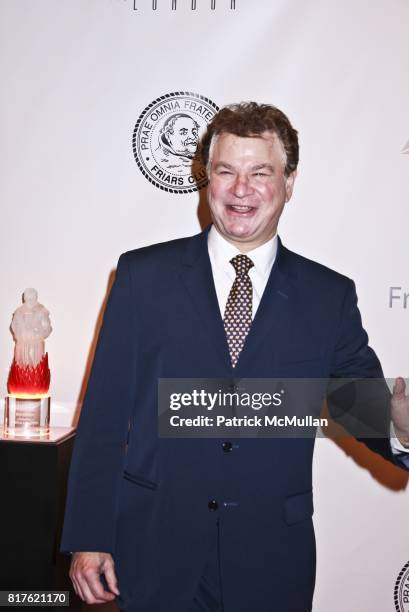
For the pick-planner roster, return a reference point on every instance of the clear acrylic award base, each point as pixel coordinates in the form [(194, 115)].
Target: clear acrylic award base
[(27, 417)]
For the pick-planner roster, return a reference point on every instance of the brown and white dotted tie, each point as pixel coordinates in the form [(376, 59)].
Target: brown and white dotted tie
[(239, 307)]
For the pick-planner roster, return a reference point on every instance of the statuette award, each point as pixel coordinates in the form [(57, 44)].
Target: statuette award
[(27, 408)]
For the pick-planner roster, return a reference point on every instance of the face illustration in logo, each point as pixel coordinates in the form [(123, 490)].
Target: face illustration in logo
[(179, 139)]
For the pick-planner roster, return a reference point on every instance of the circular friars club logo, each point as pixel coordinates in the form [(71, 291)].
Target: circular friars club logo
[(401, 593), (166, 141)]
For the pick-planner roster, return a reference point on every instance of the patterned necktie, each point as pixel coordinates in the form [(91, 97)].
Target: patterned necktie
[(238, 313)]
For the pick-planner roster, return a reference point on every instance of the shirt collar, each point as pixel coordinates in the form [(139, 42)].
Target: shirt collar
[(221, 252)]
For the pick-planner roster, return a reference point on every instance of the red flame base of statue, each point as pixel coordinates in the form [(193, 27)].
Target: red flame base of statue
[(29, 380)]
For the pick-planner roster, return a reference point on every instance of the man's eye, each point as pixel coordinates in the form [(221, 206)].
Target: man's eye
[(260, 174), (224, 172)]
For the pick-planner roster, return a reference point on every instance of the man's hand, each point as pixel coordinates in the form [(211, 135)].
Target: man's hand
[(85, 571), (400, 411)]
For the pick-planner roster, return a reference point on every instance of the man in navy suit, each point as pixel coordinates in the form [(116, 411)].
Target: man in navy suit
[(182, 525)]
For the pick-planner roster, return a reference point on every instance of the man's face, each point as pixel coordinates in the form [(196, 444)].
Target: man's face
[(248, 188), (185, 136)]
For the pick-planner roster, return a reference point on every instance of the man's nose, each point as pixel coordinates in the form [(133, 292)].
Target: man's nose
[(241, 186)]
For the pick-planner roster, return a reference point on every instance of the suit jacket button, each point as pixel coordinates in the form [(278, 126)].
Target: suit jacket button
[(212, 505), (227, 447)]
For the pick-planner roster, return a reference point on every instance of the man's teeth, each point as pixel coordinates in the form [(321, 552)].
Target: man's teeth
[(239, 208)]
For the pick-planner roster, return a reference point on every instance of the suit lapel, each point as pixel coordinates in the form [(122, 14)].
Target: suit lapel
[(197, 278), (275, 310)]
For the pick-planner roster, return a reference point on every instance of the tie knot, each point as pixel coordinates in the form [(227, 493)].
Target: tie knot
[(242, 264)]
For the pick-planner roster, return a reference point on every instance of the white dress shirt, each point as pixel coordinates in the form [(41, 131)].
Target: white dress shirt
[(221, 252)]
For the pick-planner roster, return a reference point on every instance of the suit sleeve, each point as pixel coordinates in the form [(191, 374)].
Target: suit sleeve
[(99, 449), (358, 396)]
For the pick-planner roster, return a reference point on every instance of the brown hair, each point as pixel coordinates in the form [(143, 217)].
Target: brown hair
[(252, 119)]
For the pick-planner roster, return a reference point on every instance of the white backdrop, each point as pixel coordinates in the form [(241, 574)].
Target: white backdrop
[(75, 76)]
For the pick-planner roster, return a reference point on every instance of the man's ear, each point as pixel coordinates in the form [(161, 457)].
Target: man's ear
[(289, 184), (208, 169)]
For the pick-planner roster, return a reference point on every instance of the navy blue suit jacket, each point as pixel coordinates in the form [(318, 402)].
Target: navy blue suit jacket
[(145, 499)]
